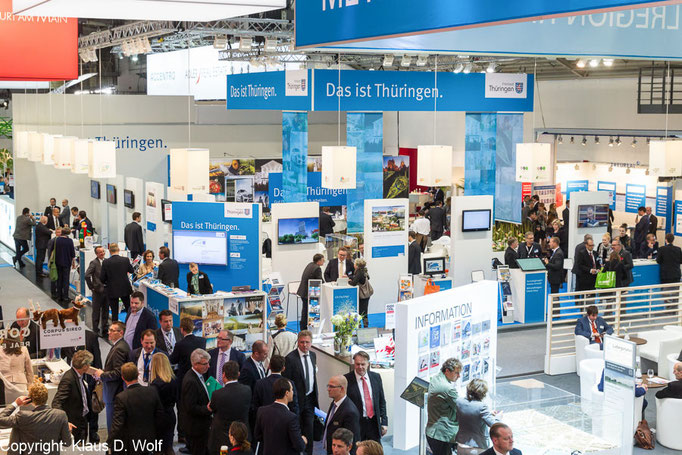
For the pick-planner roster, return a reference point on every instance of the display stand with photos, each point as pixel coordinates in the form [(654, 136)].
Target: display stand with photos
[(314, 293), (529, 288), (405, 287), (505, 294), (274, 287)]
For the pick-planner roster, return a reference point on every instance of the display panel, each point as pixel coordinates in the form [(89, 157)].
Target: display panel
[(111, 194), (94, 189), (475, 220), (530, 264), (166, 210), (129, 199), (434, 266), (201, 247), (593, 215), (292, 231)]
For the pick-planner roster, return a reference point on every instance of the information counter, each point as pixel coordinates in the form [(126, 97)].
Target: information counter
[(336, 299), (529, 291)]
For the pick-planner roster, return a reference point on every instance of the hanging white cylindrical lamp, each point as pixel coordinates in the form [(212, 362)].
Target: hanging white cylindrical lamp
[(79, 156), (35, 150), (21, 144), (189, 170), (665, 158), (48, 148), (339, 167), (434, 165), (102, 159), (63, 150), (533, 162)]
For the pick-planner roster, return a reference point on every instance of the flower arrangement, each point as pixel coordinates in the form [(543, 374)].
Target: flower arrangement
[(503, 231), (345, 325)]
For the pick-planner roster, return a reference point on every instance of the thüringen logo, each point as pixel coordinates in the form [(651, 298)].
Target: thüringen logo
[(336, 4)]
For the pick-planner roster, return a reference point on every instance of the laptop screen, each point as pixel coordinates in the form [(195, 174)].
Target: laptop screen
[(367, 336)]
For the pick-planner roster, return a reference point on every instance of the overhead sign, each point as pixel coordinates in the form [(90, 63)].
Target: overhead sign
[(41, 48), (380, 91), (337, 21), (635, 197)]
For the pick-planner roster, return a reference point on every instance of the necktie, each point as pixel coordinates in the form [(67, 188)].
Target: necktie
[(203, 382), (83, 396), (597, 338), (145, 375), (306, 373), (594, 265), (368, 398), (261, 370), (329, 419), (340, 269), (169, 342), (219, 373)]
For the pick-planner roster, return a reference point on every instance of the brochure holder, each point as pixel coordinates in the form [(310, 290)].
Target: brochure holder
[(314, 292)]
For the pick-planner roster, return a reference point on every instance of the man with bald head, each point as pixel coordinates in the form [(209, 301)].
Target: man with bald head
[(30, 339), (342, 412), (43, 236), (674, 388)]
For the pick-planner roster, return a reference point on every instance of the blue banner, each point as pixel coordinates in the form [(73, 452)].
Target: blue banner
[(536, 289), (345, 300), (678, 218), (314, 190), (366, 133), (386, 91), (576, 185), (388, 251), (611, 188), (664, 205), (336, 21), (635, 197), (294, 156)]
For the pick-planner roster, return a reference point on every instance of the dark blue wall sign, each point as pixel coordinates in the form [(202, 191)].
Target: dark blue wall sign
[(576, 185), (536, 287), (314, 190), (635, 197), (664, 205), (678, 218), (611, 188)]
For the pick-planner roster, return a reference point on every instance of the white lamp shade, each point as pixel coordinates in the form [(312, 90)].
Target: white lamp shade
[(79, 157), (189, 170), (63, 150), (434, 165), (48, 148), (35, 151), (102, 159), (665, 158), (339, 167), (21, 144), (533, 162)]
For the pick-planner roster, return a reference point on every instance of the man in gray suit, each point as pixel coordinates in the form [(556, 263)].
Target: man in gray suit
[(22, 234), (100, 303), (44, 426), (65, 215)]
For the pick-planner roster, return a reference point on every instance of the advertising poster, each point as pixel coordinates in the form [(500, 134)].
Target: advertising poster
[(294, 156), (619, 388), (220, 168), (261, 181), (678, 217), (576, 185), (547, 194), (635, 197), (610, 187), (56, 337), (396, 177), (388, 231), (664, 199), (345, 300)]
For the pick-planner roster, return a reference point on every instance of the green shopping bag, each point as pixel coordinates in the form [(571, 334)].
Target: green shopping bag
[(605, 280)]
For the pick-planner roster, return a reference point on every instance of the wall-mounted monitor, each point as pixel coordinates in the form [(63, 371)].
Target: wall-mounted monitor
[(201, 247), (166, 210), (593, 215), (475, 220), (292, 231), (111, 194), (129, 199), (434, 266), (94, 189)]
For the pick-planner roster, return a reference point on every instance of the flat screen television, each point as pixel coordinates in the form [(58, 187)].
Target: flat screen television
[(166, 210), (94, 189), (292, 231), (201, 247), (129, 199), (475, 220), (434, 266), (593, 215), (111, 194)]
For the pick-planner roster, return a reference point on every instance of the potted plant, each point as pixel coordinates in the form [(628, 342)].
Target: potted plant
[(345, 324)]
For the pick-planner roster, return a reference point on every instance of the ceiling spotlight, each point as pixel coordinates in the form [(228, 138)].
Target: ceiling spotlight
[(608, 62), (406, 61), (584, 141), (634, 142), (220, 42), (618, 141), (388, 60), (580, 64), (134, 58), (594, 63), (610, 142), (270, 45), (468, 68), (560, 139), (492, 67), (245, 43), (596, 139), (572, 140), (458, 69), (648, 140), (422, 59)]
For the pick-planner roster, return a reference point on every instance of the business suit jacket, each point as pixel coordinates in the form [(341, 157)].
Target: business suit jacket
[(111, 377), (31, 340), (135, 354), (64, 251), (491, 451), (22, 227), (653, 224), (626, 256), (346, 416), (331, 272), (114, 275), (132, 235), (378, 398), (195, 416), (535, 251), (673, 390), (65, 216), (584, 279), (49, 209), (52, 222), (235, 356), (146, 321), (278, 431), (442, 409), (414, 254), (30, 426), (263, 394), (669, 258), (312, 271), (248, 375), (565, 217), (204, 284), (182, 351), (161, 341), (438, 219), (555, 267), (93, 276), (137, 412), (229, 404), (43, 235), (294, 372), (169, 272), (641, 230), (326, 224), (510, 257), (584, 327), (473, 418), (70, 399)]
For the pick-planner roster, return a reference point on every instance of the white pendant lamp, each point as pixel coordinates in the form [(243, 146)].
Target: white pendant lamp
[(48, 148), (533, 162), (665, 158), (339, 167), (21, 144), (189, 170), (63, 151), (102, 159), (35, 151), (434, 165), (79, 156)]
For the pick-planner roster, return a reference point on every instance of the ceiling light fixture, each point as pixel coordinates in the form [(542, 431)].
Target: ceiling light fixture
[(468, 68), (406, 61), (270, 45), (580, 63), (220, 42), (610, 142), (608, 62), (584, 141), (596, 139), (245, 43), (388, 60), (594, 63), (458, 68), (634, 142), (561, 140), (422, 59), (618, 142), (492, 67)]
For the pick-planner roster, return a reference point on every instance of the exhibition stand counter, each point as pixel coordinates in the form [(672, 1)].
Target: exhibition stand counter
[(336, 298), (442, 281), (529, 291)]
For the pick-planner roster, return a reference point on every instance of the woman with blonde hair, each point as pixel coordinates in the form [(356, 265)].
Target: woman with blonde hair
[(282, 340), (147, 265), (16, 370), (163, 379)]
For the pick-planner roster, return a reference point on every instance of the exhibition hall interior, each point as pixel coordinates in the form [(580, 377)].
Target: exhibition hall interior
[(269, 227)]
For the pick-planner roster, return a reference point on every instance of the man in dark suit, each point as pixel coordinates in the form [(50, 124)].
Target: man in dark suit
[(343, 442), (84, 224), (229, 404), (511, 254), (43, 235), (253, 368), (30, 341), (653, 222), (51, 207), (339, 268), (194, 404), (312, 271), (555, 266), (626, 259), (669, 259), (111, 376), (263, 392), (64, 256), (342, 412), (169, 271), (72, 394), (586, 267), (100, 303), (326, 223), (674, 388), (565, 216), (301, 369), (641, 230), (132, 235), (277, 428), (184, 348), (223, 354), (114, 276), (592, 326), (366, 391), (139, 319), (53, 219), (167, 335), (529, 249), (65, 214), (503, 440), (414, 254), (142, 356), (137, 413), (439, 220)]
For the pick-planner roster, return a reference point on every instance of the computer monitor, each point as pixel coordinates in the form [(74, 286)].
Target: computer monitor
[(475, 220), (530, 264), (434, 266)]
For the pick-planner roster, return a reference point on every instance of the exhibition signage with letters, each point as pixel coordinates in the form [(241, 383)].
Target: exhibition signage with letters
[(576, 185), (678, 218), (610, 187), (56, 337), (664, 203), (635, 197), (619, 387), (380, 91), (314, 190), (536, 287)]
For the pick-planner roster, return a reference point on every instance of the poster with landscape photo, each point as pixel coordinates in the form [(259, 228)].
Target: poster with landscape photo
[(396, 177)]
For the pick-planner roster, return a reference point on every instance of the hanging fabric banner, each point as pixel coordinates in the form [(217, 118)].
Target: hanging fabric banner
[(294, 156), (366, 132)]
